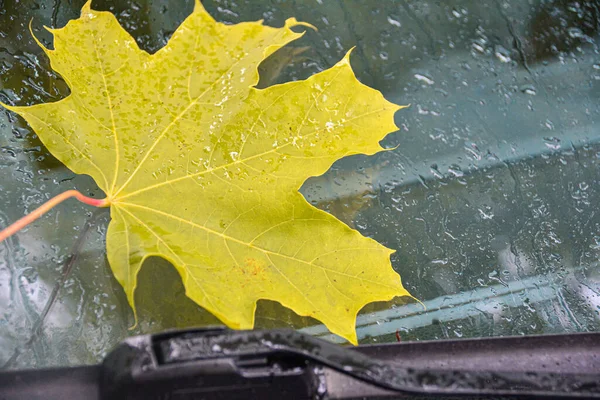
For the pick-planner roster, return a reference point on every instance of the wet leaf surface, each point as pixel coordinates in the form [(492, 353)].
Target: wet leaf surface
[(203, 170)]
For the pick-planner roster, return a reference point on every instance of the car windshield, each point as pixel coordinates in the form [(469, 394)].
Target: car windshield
[(488, 193)]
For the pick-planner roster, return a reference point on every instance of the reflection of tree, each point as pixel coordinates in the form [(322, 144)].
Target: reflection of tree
[(561, 26), (67, 267), (26, 79), (529, 218)]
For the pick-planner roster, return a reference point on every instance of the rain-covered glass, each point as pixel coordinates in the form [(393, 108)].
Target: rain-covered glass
[(490, 199)]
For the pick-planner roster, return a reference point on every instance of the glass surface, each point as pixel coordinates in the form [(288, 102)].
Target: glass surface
[(490, 199)]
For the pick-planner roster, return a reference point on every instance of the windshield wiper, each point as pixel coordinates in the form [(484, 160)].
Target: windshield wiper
[(283, 364)]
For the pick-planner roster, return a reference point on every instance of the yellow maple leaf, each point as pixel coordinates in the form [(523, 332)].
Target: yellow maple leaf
[(202, 169)]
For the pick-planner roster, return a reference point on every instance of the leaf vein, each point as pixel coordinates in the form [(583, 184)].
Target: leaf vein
[(112, 116), (298, 290), (73, 146), (238, 161), (266, 251), (175, 120), (181, 262)]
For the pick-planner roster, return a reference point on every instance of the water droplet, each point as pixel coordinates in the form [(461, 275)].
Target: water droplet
[(456, 171), (435, 171), (478, 47), (487, 214), (552, 142), (502, 54), (528, 89), (575, 33), (424, 78)]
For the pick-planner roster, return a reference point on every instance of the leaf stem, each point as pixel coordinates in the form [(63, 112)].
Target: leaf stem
[(41, 210)]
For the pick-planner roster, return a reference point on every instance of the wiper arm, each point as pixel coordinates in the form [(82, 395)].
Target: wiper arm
[(284, 364)]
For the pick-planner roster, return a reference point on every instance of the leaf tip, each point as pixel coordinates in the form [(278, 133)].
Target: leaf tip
[(352, 338), (417, 300), (346, 60), (199, 8), (291, 22), (397, 107), (400, 107), (348, 329), (87, 8), (46, 50)]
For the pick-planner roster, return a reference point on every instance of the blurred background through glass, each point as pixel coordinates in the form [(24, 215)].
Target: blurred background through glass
[(490, 199)]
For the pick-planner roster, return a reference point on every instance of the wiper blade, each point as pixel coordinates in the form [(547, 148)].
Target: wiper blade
[(224, 364)]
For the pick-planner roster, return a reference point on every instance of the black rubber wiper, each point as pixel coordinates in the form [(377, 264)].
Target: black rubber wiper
[(284, 364)]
